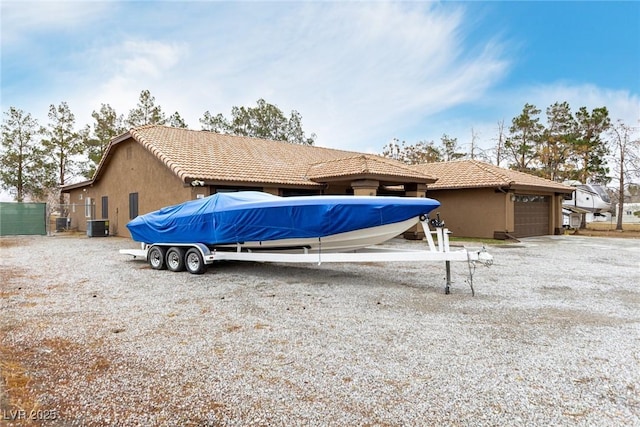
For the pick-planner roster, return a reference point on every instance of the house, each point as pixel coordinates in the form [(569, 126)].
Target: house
[(154, 166), (482, 200)]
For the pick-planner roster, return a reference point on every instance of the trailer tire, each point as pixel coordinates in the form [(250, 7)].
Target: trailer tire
[(156, 258), (193, 261), (175, 259)]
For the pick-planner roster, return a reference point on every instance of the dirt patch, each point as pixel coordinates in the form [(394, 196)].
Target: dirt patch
[(8, 242), (629, 234), (608, 229)]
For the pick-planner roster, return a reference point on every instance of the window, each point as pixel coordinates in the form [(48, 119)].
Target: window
[(105, 207), (133, 205), (87, 207)]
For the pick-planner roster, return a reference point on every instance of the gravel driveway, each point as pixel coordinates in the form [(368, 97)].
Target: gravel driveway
[(92, 337)]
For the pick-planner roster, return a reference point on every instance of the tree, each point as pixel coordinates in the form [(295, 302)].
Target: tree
[(475, 152), (525, 134), (557, 141), (393, 151), (63, 144), (450, 149), (107, 126), (626, 160), (217, 123), (176, 121), (590, 150), (499, 149), (24, 171), (421, 152), (146, 112), (264, 121)]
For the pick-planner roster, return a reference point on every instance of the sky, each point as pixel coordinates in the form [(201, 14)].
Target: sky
[(359, 73)]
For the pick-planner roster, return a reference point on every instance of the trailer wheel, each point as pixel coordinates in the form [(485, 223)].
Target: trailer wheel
[(175, 259), (156, 258), (193, 261)]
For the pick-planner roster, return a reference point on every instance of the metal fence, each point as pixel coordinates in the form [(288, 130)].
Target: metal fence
[(65, 217), (23, 218)]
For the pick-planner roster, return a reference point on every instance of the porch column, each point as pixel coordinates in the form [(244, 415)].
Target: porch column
[(365, 187), (271, 190), (415, 190)]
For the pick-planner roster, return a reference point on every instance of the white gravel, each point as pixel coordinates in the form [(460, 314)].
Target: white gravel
[(552, 337)]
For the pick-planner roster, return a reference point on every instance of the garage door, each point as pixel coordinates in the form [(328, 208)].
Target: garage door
[(531, 215)]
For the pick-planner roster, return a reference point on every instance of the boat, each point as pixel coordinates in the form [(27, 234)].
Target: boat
[(252, 220)]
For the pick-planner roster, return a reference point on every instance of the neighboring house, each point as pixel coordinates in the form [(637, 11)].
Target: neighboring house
[(482, 200), (630, 213), (154, 166)]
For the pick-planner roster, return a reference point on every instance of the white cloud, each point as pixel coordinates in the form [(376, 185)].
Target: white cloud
[(357, 72), (21, 20), (354, 70)]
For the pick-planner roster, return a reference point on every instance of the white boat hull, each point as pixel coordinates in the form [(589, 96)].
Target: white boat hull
[(341, 242)]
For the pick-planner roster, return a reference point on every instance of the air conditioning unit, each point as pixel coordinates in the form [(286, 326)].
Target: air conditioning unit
[(98, 228)]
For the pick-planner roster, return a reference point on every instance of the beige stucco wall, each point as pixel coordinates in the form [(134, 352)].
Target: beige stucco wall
[(132, 169), (473, 213), (556, 217), (486, 213)]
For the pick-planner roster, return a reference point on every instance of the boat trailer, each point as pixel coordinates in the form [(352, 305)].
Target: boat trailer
[(197, 255)]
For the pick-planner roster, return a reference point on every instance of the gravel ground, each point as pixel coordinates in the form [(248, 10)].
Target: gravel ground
[(92, 337)]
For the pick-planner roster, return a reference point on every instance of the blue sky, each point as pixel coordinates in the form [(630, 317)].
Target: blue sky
[(359, 73)]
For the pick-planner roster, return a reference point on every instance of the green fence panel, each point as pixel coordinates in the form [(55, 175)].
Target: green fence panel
[(23, 218)]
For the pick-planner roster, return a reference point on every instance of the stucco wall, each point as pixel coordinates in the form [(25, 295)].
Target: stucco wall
[(473, 213), (132, 169)]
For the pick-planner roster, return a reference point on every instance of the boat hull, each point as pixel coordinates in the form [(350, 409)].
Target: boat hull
[(334, 243)]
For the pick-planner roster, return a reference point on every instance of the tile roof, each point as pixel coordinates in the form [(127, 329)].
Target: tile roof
[(209, 156), (475, 174), (363, 164)]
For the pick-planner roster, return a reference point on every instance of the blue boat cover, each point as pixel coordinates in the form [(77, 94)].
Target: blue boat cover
[(247, 216)]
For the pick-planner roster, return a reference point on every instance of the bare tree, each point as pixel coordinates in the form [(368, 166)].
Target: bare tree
[(499, 147), (625, 144), (475, 152)]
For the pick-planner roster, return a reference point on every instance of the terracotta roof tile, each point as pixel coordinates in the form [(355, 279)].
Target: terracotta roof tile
[(203, 155), (364, 164), (475, 174)]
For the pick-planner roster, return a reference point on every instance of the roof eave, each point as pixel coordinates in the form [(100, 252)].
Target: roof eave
[(67, 188), (543, 188), (398, 179)]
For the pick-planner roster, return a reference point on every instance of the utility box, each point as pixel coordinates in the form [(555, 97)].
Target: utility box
[(98, 228), (62, 224)]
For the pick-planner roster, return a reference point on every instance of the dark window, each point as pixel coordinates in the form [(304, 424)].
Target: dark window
[(290, 192), (133, 205), (233, 189), (105, 207)]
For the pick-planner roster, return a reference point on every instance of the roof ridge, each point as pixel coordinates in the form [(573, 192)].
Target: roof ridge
[(245, 138), (492, 169), (153, 149)]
